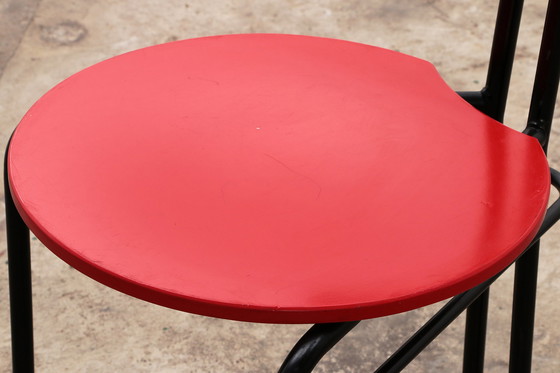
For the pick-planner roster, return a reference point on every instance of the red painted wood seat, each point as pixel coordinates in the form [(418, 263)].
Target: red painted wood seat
[(275, 178)]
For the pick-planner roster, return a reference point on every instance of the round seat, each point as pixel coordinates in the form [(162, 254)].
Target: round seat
[(275, 178)]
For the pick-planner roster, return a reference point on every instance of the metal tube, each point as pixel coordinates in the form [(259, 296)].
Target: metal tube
[(545, 88), (475, 98), (475, 334), (429, 331), (543, 100), (492, 101), (524, 297), (523, 315), (501, 58), (19, 268), (314, 344)]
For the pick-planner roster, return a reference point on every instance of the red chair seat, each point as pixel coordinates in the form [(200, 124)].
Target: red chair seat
[(275, 178)]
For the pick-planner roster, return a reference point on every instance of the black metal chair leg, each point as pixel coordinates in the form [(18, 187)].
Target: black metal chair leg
[(475, 334), (543, 102), (523, 315), (314, 344), (19, 267)]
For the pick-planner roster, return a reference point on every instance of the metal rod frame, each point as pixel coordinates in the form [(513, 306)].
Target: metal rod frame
[(494, 98), (322, 337), (314, 345), (19, 276), (539, 124)]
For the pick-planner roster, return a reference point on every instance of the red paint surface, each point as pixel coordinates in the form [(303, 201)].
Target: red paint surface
[(275, 178)]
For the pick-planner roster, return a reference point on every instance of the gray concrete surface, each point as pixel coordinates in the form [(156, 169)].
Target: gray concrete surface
[(82, 326)]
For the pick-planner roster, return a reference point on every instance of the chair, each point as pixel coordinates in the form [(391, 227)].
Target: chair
[(255, 178)]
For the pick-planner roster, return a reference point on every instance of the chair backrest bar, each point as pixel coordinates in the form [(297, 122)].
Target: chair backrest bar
[(494, 94), (547, 77)]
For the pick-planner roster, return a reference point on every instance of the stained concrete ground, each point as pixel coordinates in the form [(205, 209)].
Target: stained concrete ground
[(82, 326)]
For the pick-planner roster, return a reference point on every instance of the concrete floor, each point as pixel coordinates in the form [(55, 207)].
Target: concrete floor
[(82, 326)]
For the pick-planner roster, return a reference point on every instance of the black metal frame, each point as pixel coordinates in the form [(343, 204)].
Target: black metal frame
[(19, 273), (322, 337)]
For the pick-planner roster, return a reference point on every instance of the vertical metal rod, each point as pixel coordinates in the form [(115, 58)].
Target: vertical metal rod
[(545, 88), (494, 97), (523, 315), (475, 335), (501, 58), (541, 112), (539, 124), (313, 345), (19, 267)]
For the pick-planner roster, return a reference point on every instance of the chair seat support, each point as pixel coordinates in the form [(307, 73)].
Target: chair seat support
[(19, 268)]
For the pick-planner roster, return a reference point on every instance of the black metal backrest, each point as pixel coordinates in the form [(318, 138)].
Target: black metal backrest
[(545, 88), (492, 98), (494, 94)]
